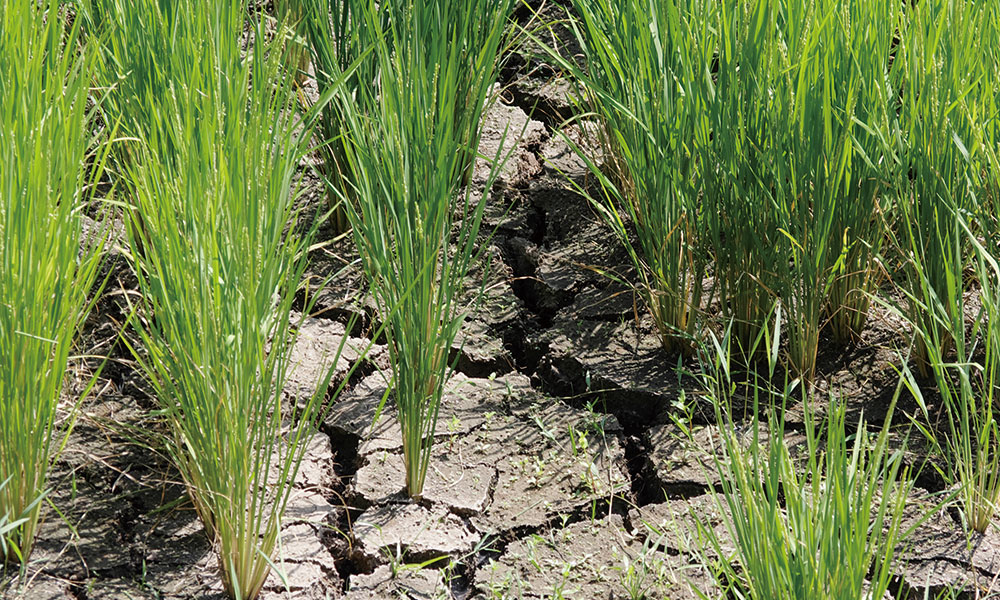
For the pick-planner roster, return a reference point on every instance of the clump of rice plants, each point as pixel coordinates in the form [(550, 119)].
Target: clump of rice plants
[(800, 119), (968, 378), (828, 176), (948, 98), (861, 112), (646, 67), (823, 521), (342, 40), (991, 103), (290, 15), (48, 266), (221, 257), (754, 133), (409, 139), (740, 228)]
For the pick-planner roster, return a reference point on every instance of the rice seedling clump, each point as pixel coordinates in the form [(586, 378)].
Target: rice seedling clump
[(48, 265), (410, 139), (219, 255)]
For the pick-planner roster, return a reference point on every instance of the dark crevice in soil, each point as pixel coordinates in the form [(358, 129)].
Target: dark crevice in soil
[(337, 537), (517, 341), (339, 547), (542, 301), (909, 592), (644, 490), (358, 321), (537, 221), (491, 548), (518, 69), (480, 369), (495, 545), (677, 491), (540, 108), (525, 10), (363, 370), (346, 459), (928, 478), (460, 583)]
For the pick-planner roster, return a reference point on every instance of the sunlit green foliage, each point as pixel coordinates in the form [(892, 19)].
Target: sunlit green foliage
[(215, 238), (646, 67), (48, 260), (409, 142)]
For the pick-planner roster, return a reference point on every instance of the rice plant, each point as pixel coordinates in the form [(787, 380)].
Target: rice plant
[(968, 378), (646, 66), (865, 115), (946, 91), (740, 227), (222, 256), (409, 139), (800, 120), (822, 521), (48, 265), (290, 16), (135, 42), (991, 104), (341, 40), (8, 526)]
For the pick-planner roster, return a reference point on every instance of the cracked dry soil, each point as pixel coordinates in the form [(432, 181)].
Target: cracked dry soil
[(555, 462)]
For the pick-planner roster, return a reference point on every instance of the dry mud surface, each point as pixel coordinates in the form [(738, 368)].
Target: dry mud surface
[(556, 464)]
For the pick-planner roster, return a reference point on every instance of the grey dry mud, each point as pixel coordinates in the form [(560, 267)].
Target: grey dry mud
[(557, 467)]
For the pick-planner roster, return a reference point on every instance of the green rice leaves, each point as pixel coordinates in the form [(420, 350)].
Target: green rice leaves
[(411, 140), (646, 68), (220, 253), (48, 263), (817, 513)]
